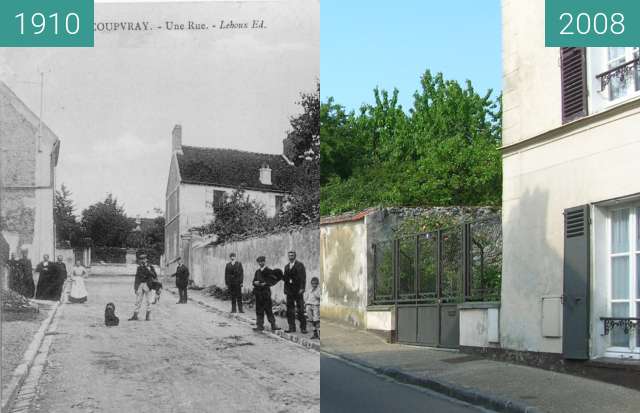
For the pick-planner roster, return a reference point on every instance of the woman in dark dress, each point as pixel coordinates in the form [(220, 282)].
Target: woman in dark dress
[(28, 286), (48, 285)]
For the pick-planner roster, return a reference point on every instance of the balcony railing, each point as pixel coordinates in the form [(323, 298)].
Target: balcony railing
[(622, 72), (626, 323)]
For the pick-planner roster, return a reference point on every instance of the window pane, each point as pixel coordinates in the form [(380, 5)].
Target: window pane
[(638, 225), (638, 280), (616, 53), (620, 278), (618, 87), (637, 329), (618, 337), (620, 231)]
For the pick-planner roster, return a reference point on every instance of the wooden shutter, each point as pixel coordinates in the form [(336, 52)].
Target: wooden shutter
[(575, 297), (574, 83)]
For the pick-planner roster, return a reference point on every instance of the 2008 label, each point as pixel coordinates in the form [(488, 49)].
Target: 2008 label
[(585, 24)]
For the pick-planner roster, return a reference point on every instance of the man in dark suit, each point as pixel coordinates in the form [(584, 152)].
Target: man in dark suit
[(262, 281), (182, 280), (28, 286), (142, 287), (295, 281), (234, 278)]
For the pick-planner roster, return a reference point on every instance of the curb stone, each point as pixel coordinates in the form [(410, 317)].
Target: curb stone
[(306, 343), (466, 394), (20, 373)]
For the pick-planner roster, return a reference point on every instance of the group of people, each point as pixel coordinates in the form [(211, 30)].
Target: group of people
[(294, 277), (54, 282), (147, 289)]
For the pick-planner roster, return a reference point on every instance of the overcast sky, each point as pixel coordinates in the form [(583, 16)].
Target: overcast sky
[(114, 106)]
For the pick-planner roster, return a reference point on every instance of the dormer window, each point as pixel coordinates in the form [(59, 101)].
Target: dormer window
[(265, 175)]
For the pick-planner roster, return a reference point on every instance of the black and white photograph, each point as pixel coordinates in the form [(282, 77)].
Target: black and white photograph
[(159, 212)]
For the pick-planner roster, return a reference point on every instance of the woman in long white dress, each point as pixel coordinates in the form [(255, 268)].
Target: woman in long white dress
[(78, 292)]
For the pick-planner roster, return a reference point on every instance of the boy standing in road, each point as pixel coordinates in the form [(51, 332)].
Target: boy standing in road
[(313, 306)]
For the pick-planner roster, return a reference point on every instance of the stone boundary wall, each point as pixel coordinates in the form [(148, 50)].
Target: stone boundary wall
[(347, 253), (207, 263)]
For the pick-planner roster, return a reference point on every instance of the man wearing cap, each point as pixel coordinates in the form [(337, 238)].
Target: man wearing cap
[(142, 288), (295, 281), (234, 278), (262, 290), (182, 280)]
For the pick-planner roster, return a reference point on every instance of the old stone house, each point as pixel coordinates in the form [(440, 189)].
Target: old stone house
[(199, 178), (28, 158), (571, 195)]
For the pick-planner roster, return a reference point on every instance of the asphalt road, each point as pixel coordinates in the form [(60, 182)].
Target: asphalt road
[(186, 359), (348, 389)]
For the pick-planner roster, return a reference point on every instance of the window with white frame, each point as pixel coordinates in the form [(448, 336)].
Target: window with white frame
[(624, 268)]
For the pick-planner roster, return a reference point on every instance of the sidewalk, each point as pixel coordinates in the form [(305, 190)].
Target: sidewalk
[(249, 315), (496, 385)]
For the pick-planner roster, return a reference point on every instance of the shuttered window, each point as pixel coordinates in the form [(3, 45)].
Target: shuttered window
[(575, 297), (574, 83)]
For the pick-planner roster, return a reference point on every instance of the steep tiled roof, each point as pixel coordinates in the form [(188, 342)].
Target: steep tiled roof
[(233, 168)]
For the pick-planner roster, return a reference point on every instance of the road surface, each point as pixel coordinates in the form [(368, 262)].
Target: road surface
[(186, 359), (348, 389)]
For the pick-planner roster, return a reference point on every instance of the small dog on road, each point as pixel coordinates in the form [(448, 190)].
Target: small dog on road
[(110, 318)]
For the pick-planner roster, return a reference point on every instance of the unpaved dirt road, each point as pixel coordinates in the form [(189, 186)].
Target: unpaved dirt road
[(186, 359)]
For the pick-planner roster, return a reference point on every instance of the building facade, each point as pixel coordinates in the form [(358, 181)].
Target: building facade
[(28, 158), (571, 194), (199, 178)]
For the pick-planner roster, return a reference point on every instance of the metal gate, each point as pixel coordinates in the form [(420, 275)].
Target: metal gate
[(425, 276)]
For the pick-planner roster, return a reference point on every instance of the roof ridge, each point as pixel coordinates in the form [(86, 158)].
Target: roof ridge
[(231, 150)]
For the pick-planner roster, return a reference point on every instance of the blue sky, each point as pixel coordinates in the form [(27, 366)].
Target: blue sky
[(390, 44)]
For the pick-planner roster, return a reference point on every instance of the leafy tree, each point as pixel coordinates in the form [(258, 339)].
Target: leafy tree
[(149, 238), (303, 204), (68, 229), (443, 151), (237, 214), (106, 223)]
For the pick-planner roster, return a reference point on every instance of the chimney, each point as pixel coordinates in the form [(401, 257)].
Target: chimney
[(176, 140), (265, 174)]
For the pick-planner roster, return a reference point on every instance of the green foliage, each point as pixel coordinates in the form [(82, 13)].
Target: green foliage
[(238, 214), (303, 204), (443, 151), (106, 223), (149, 239)]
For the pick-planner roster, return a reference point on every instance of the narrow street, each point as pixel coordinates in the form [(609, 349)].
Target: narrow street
[(186, 359), (347, 389)]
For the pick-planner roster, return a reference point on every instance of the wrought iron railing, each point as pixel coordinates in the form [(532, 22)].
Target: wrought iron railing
[(622, 72), (627, 324), (463, 263)]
